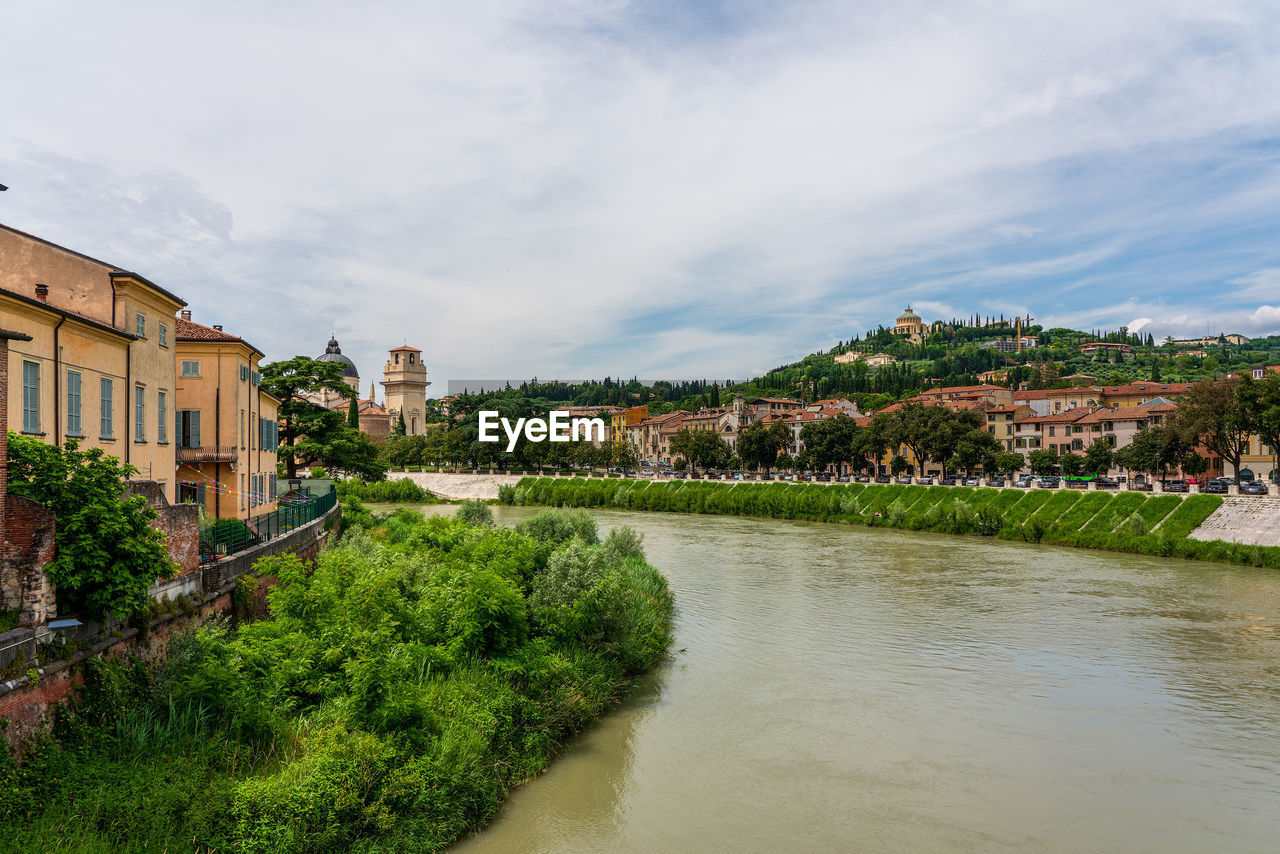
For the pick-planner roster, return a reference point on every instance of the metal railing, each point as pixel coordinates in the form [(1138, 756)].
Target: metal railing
[(229, 536), (207, 454)]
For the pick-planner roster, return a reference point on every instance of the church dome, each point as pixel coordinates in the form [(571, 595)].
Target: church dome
[(333, 353), (909, 317)]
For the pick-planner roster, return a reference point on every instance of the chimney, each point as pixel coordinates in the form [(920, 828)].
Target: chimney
[(217, 326), (186, 314), (42, 293)]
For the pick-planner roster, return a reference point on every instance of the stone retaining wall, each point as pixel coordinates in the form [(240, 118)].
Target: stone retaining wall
[(25, 701), (1254, 521), (458, 487)]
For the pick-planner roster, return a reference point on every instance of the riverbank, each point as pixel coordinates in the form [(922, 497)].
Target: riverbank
[(391, 700), (1133, 522)]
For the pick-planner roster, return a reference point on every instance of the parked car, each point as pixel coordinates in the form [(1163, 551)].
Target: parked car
[(1254, 487), (766, 476), (998, 480), (844, 478), (925, 481), (1176, 486), (884, 478), (1140, 486), (646, 473), (973, 481), (950, 480), (1216, 487), (1023, 482), (1106, 483), (862, 478)]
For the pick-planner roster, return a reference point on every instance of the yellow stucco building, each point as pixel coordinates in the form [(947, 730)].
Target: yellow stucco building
[(100, 365), (225, 425)]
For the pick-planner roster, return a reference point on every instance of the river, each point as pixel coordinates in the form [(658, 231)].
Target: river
[(839, 688)]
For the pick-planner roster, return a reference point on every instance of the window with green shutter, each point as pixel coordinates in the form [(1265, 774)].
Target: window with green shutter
[(107, 393), (73, 403), (30, 397)]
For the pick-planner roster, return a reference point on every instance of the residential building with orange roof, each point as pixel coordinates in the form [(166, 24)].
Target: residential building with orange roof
[(1001, 422), (1135, 394), (225, 426), (100, 366), (1054, 432), (996, 395)]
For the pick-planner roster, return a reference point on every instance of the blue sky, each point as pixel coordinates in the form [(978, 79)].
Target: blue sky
[(659, 189)]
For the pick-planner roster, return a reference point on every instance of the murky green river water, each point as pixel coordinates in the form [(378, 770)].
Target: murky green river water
[(846, 689)]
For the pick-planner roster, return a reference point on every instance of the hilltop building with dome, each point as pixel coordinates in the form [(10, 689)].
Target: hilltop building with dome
[(404, 386), (911, 325)]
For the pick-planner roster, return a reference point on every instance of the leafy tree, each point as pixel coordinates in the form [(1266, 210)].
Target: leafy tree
[(829, 442), (1042, 461), (1193, 463), (759, 445), (107, 552), (1071, 464), (700, 447), (977, 448), (1099, 456), (1261, 402), (1152, 451), (304, 425), (1212, 413), (1008, 462), (620, 453)]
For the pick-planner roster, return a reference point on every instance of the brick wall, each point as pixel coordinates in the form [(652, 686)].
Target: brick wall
[(27, 547), (27, 706), (180, 523)]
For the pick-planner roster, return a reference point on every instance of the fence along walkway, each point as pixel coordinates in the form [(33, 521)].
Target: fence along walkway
[(228, 536)]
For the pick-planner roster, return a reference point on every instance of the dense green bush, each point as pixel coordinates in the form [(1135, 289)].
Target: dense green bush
[(397, 691), (402, 491), (475, 513)]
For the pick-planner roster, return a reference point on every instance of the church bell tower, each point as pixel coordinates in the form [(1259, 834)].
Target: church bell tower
[(404, 389)]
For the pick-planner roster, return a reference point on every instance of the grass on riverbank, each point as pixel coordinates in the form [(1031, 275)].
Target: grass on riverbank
[(1124, 522), (395, 694)]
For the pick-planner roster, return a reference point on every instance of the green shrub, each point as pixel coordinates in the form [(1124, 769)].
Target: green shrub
[(401, 491), (560, 526), (476, 513)]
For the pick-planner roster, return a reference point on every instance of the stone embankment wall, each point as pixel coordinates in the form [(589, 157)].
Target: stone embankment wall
[(458, 487), (1253, 521), (26, 699)]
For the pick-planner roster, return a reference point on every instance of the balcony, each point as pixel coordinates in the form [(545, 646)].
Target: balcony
[(208, 454)]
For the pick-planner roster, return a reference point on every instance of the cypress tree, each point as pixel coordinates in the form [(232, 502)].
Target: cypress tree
[(353, 414), (401, 428)]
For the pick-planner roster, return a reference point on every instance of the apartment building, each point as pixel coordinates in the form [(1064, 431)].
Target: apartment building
[(225, 425), (100, 365)]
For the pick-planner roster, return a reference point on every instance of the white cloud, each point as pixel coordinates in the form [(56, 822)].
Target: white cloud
[(1017, 229), (486, 180), (1263, 284)]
